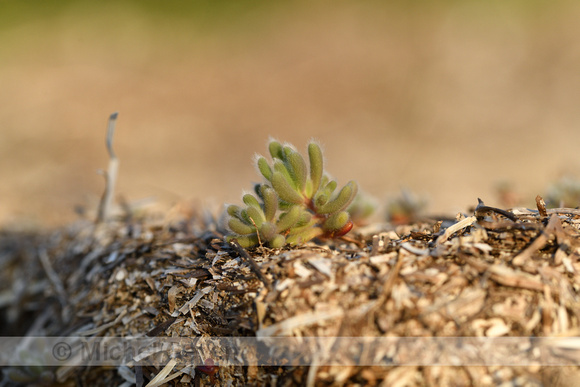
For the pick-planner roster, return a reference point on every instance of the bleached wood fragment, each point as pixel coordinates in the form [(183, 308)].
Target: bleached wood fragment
[(323, 265), (454, 228), (194, 300), (285, 327)]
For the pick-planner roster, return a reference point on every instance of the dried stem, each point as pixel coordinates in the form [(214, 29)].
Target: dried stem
[(481, 208), (110, 174), (52, 276), (454, 228), (251, 261)]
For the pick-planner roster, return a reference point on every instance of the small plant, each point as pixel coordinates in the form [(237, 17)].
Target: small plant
[(361, 209), (564, 193), (406, 208), (296, 203)]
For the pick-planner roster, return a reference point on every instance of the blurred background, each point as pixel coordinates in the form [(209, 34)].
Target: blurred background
[(449, 100)]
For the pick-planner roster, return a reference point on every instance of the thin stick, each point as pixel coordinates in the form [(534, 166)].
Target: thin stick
[(348, 239), (559, 211), (552, 230), (483, 208), (253, 263), (52, 276), (110, 174), (257, 233), (391, 277), (454, 228)]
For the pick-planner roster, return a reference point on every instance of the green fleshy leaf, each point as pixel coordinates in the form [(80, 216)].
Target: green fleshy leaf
[(264, 168), (234, 210), (298, 165), (285, 190), (251, 200), (282, 168), (308, 191), (270, 202), (323, 195), (316, 165), (341, 201), (285, 206), (305, 218), (336, 221), (267, 230), (257, 215), (321, 199), (329, 188), (277, 241), (244, 216), (304, 236), (240, 227), (288, 219), (298, 229), (323, 182), (246, 241), (288, 151), (276, 150)]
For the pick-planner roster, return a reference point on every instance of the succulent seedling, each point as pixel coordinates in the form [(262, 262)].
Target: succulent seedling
[(361, 209), (406, 208), (296, 203), (564, 193)]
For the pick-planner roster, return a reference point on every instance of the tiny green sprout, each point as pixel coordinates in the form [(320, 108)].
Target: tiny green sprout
[(297, 202)]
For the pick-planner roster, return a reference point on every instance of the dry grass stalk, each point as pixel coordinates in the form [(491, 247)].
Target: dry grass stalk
[(110, 174)]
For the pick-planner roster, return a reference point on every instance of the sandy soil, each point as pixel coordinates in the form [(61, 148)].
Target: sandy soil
[(446, 101)]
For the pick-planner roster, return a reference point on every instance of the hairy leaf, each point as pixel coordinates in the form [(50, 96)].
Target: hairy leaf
[(285, 190), (324, 181), (342, 200), (246, 241), (264, 168), (329, 188), (308, 192), (282, 168), (251, 200), (299, 228), (316, 165), (267, 230), (305, 217), (277, 241), (240, 227), (234, 210), (287, 151), (336, 221), (299, 172), (304, 236), (257, 216), (270, 202), (321, 199), (244, 216), (276, 150), (288, 219)]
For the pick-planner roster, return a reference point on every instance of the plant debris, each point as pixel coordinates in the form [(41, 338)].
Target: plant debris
[(497, 273)]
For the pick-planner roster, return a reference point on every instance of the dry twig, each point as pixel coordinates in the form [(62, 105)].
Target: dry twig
[(252, 262), (110, 174)]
